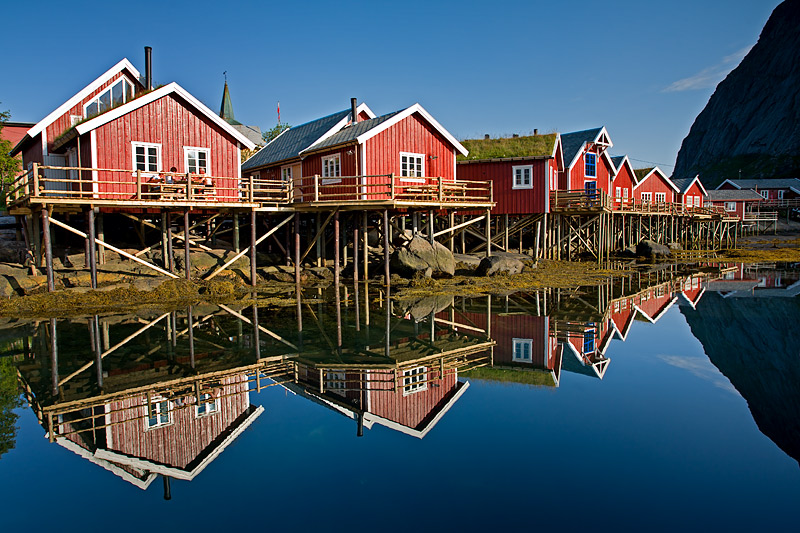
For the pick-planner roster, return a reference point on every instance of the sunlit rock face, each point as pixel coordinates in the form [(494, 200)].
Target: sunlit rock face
[(752, 121)]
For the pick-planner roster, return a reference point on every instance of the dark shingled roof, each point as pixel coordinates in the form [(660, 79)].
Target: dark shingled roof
[(571, 143), (293, 141), (683, 184), (513, 147), (790, 183), (733, 195), (351, 133), (617, 160)]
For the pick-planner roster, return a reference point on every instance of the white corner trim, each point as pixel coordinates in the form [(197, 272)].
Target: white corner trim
[(173, 87), (93, 142), (407, 112), (83, 93)]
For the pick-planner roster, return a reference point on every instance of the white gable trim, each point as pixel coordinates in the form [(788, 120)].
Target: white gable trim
[(416, 108), (173, 87), (696, 179), (339, 125), (594, 141), (660, 173), (83, 93), (728, 181)]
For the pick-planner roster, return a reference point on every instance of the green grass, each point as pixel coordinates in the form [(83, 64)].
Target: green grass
[(642, 172), (539, 378), (527, 146)]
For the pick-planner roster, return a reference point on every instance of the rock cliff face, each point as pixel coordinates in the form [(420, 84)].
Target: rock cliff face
[(752, 121)]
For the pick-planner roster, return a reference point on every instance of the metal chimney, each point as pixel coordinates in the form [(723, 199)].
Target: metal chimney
[(536, 131), (354, 109), (148, 67)]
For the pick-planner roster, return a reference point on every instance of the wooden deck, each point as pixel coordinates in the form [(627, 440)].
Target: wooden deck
[(579, 202), (123, 188)]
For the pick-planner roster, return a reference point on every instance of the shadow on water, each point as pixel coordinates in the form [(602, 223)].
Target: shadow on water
[(144, 396)]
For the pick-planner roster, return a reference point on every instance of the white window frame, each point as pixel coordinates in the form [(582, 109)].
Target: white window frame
[(413, 177), (210, 408), (619, 192), (415, 380), (525, 343), (586, 174), (198, 149), (764, 194), (286, 173), (156, 403), (647, 197), (335, 382), (146, 172), (780, 194), (522, 185), (108, 90), (329, 178), (661, 197), (625, 193), (730, 206)]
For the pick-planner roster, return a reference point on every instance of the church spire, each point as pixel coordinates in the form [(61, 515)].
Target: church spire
[(226, 109)]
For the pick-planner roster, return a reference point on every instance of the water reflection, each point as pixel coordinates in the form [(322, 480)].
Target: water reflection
[(165, 394)]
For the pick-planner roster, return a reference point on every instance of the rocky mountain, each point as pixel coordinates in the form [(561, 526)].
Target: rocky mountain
[(752, 121)]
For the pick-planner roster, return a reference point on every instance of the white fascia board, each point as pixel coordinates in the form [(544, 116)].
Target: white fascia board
[(83, 93), (416, 108), (666, 178), (700, 183), (152, 97), (727, 181), (338, 126)]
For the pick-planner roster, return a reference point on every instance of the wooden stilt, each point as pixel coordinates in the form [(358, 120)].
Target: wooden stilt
[(236, 232), (101, 234), (187, 261), (430, 226), (336, 250), (48, 249), (297, 249), (386, 275), (170, 252), (365, 242), (92, 249), (488, 233), (253, 279)]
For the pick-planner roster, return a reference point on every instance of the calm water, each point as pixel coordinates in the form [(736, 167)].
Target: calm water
[(662, 400)]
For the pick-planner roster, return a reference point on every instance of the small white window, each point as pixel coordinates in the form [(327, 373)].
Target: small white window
[(146, 157), (730, 206), (74, 119), (780, 195), (412, 166), (625, 192), (522, 350), (335, 382), (119, 93), (196, 160), (765, 194), (415, 380), (331, 169), (619, 192), (208, 405), (522, 177), (160, 413), (286, 174), (647, 197), (661, 197)]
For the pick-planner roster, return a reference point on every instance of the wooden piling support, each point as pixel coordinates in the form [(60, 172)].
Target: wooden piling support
[(386, 275), (297, 249), (336, 249), (92, 249), (48, 249), (488, 233), (253, 248), (236, 232), (187, 261)]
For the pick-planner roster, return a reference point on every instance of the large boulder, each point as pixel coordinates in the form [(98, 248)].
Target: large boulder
[(648, 248), (418, 254), (422, 308), (497, 264)]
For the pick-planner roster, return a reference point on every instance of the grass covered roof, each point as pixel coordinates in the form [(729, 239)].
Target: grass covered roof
[(523, 146)]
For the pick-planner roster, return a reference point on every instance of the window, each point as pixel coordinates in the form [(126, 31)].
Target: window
[(415, 380), (625, 193), (412, 166), (590, 188), (286, 174), (730, 206), (160, 413), (588, 338), (146, 157), (335, 382), (619, 192), (119, 93), (331, 169), (661, 197), (590, 170), (208, 405), (522, 350), (765, 195), (522, 177), (74, 119), (647, 197), (780, 195), (195, 160)]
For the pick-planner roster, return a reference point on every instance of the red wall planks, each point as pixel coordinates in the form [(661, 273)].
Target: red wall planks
[(509, 200)]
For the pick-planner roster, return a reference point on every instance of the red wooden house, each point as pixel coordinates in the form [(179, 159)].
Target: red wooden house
[(735, 202), (769, 189), (114, 123), (692, 290), (355, 159), (587, 163), (623, 314), (653, 302), (623, 182), (585, 347), (653, 187), (691, 193), (523, 170)]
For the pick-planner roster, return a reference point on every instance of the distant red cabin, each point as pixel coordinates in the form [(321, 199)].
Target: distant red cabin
[(735, 202), (587, 164), (691, 193), (654, 187), (623, 182)]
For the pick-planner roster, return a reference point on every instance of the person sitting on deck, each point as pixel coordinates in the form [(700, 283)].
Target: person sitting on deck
[(168, 178)]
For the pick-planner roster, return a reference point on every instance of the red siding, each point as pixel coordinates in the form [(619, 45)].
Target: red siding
[(180, 443), (509, 200), (63, 123), (623, 180), (577, 175), (33, 153), (172, 123), (412, 409), (655, 183), (740, 207)]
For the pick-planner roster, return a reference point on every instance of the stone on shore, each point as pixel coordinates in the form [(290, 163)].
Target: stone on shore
[(648, 248), (418, 254), (498, 264)]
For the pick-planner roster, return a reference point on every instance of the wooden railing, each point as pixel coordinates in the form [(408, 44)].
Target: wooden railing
[(599, 200), (580, 199), (389, 187), (118, 185), (760, 216)]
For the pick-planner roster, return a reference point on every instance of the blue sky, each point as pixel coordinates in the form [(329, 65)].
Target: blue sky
[(642, 69)]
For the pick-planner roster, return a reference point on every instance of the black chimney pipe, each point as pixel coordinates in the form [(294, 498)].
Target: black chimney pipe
[(148, 67), (354, 109)]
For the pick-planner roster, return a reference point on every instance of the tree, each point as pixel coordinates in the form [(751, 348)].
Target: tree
[(9, 166), (9, 400), (274, 132)]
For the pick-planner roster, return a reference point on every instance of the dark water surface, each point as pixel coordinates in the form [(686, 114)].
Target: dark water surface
[(662, 400)]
